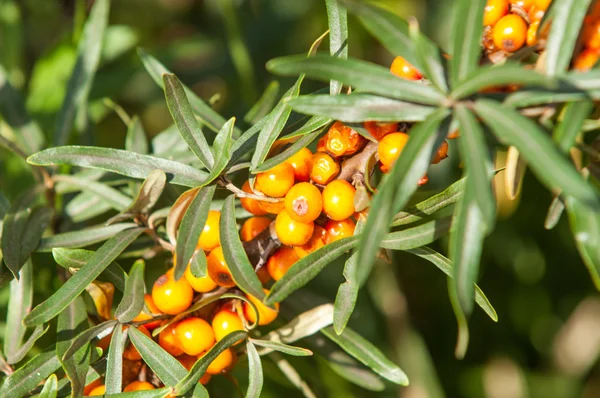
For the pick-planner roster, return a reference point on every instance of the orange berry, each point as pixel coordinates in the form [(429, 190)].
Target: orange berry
[(338, 200), (281, 261), (494, 10), (510, 33), (218, 269), (209, 238), (337, 230), (303, 202), (171, 296), (98, 391), (316, 241), (542, 4), (453, 135), (266, 314), (143, 316), (291, 232), (263, 275), (441, 154), (532, 31), (221, 363), (252, 206), (423, 181), (591, 35), (401, 68), (390, 147), (201, 285), (130, 352), (341, 140), (104, 342), (90, 387), (138, 386), (586, 60), (525, 4), (321, 144), (205, 378), (324, 168), (301, 162), (168, 340), (254, 226), (195, 335), (272, 207), (536, 14), (225, 322), (380, 129), (277, 181)]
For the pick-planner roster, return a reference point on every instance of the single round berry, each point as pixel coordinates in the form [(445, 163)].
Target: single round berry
[(209, 238), (291, 232), (171, 296), (266, 314), (532, 33), (586, 60), (254, 226), (316, 241), (169, 341), (301, 162), (494, 10), (201, 285), (144, 316), (337, 230), (379, 129), (542, 4), (401, 68), (195, 335), (130, 352), (221, 363), (277, 181), (324, 168), (510, 33), (225, 322), (138, 386), (252, 206), (280, 261), (341, 140), (441, 154), (338, 200), (98, 391), (217, 268), (390, 147), (90, 387), (304, 202)]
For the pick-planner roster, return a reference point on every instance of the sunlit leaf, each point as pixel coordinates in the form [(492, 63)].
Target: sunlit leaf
[(284, 348), (112, 196), (77, 258), (19, 304), (337, 19), (418, 236), (555, 211), (467, 28), (50, 389), (222, 149), (114, 363), (102, 329), (28, 376), (149, 192), (255, 375), (133, 295)]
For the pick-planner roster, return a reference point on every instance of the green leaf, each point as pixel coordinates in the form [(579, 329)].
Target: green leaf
[(199, 368), (429, 58), (574, 114), (255, 373), (273, 125), (198, 264), (292, 375), (361, 75), (38, 332), (168, 369), (106, 254), (347, 294), (306, 324), (555, 210), (118, 161), (85, 206), (264, 105), (22, 231), (534, 145), (186, 122), (191, 227), (366, 353), (156, 393), (359, 107), (247, 142), (567, 19), (87, 335), (114, 362), (311, 125), (222, 149), (466, 39), (136, 140), (50, 389), (462, 338), (281, 347), (80, 82), (417, 236), (19, 304), (290, 151), (27, 377), (236, 258), (149, 193), (133, 297), (337, 19), (109, 195)]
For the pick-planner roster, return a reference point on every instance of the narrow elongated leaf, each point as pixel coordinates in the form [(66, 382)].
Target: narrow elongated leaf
[(366, 353), (106, 254), (417, 236), (198, 264), (18, 355), (156, 393), (19, 304), (555, 210), (80, 82), (337, 19), (27, 377), (567, 18), (363, 76), (303, 325), (264, 105), (149, 192), (133, 296), (86, 206), (50, 389), (255, 374), (358, 107), (191, 227), (566, 131), (236, 258), (347, 294), (114, 363), (286, 349), (118, 161), (430, 58), (102, 329), (85, 237), (466, 36), (222, 150), (533, 144), (247, 141), (136, 140), (186, 122), (292, 375), (112, 196), (311, 125)]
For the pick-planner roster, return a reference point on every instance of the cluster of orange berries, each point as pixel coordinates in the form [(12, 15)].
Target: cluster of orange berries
[(511, 24)]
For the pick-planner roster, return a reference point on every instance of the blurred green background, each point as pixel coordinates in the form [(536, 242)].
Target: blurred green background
[(547, 339)]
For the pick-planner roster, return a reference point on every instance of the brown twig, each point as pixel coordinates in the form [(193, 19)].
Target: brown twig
[(262, 246), (356, 164)]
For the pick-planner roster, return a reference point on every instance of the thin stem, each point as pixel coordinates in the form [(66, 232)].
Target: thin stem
[(242, 194)]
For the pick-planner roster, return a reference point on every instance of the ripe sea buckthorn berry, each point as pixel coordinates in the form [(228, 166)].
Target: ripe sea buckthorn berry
[(317, 241), (337, 230), (301, 162), (281, 261), (542, 4), (272, 207), (138, 386), (98, 391), (536, 14), (201, 285), (252, 206), (304, 202), (225, 322), (453, 135), (90, 387), (143, 316), (209, 238), (591, 35), (441, 154), (253, 226), (401, 68), (390, 148), (324, 168), (532, 33), (338, 200), (130, 352), (586, 60), (171, 296), (266, 314), (341, 140), (423, 181), (221, 363), (494, 10), (195, 335), (218, 269), (291, 232), (379, 129), (510, 33), (277, 181), (169, 341), (321, 144)]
